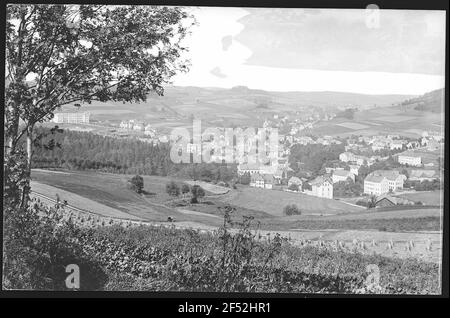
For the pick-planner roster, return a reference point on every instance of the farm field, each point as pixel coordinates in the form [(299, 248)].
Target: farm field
[(111, 191), (273, 202), (384, 120), (108, 195), (78, 201), (354, 126), (428, 197)]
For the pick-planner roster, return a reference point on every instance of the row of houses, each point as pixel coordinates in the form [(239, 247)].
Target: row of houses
[(138, 125), (358, 159)]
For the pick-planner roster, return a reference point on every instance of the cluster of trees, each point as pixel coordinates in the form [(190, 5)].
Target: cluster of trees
[(174, 190), (244, 179), (291, 209), (314, 157), (348, 188), (348, 113), (423, 185), (136, 183), (86, 151), (208, 172)]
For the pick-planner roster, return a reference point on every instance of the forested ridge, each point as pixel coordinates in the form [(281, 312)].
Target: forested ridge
[(76, 150)]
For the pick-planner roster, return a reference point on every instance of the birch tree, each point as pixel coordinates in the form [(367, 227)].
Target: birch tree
[(75, 54)]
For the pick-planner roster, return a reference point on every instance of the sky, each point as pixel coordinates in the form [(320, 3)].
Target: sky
[(351, 50)]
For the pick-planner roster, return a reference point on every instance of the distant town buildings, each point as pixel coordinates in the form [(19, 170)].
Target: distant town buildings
[(72, 118)]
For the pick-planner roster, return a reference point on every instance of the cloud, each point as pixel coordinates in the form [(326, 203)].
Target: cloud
[(217, 72), (315, 50), (226, 42), (340, 40)]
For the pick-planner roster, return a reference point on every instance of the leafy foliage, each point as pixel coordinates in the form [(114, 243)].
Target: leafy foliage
[(197, 192), (173, 189), (291, 209), (137, 183)]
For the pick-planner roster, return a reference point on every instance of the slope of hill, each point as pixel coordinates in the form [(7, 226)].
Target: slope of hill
[(429, 102)]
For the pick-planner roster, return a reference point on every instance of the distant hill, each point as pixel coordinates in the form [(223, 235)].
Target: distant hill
[(321, 99), (428, 102)]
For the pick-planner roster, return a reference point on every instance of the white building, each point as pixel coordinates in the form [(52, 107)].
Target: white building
[(396, 144), (346, 156), (264, 181), (342, 175), (295, 181), (409, 158), (381, 181), (354, 169), (322, 187), (72, 118)]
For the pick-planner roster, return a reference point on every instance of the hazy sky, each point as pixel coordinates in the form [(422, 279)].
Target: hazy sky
[(400, 52)]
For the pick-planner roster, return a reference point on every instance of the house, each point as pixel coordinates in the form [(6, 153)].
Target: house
[(149, 131), (256, 180), (388, 201), (397, 145), (382, 181), (139, 126), (412, 144), (409, 158), (322, 187), (279, 175), (378, 146), (250, 168), (295, 181), (269, 181), (264, 181), (342, 175), (354, 169), (346, 156)]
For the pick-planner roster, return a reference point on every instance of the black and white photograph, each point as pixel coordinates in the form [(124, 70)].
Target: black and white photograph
[(224, 149)]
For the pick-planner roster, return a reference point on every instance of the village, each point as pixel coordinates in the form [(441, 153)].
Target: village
[(412, 162)]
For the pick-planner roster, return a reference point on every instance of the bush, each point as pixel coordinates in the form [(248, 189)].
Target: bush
[(173, 189), (185, 188), (39, 246), (291, 209), (197, 192), (136, 183)]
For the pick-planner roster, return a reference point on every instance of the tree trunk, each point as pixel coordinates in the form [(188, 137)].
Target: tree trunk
[(11, 129), (27, 187)]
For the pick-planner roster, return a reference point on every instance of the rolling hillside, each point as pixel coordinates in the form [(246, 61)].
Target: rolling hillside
[(429, 102), (238, 105)]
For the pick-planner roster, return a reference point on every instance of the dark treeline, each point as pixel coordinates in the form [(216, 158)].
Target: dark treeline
[(314, 157), (75, 150), (84, 151)]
